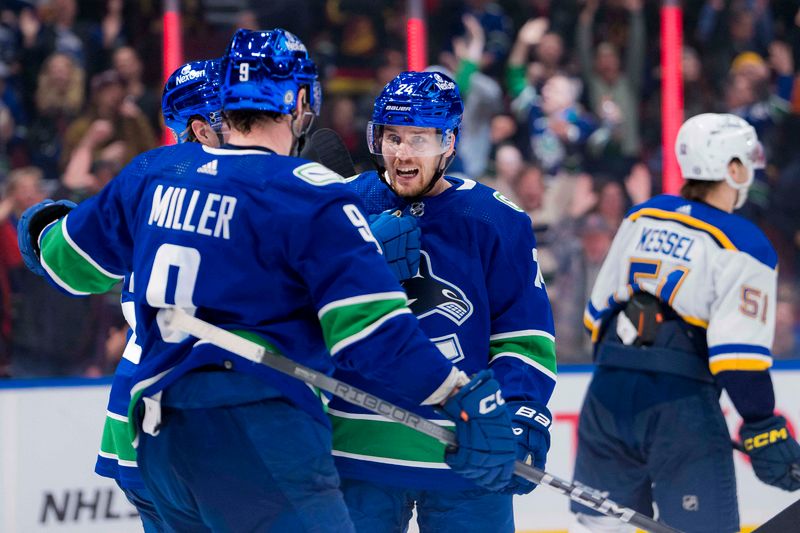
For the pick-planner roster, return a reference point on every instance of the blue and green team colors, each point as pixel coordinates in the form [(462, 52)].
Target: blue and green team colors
[(255, 249), (480, 298)]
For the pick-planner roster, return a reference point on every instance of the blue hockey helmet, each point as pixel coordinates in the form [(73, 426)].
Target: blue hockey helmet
[(422, 99), (265, 70), (192, 90)]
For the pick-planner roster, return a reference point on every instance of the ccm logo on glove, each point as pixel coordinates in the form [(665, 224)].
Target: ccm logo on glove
[(490, 403), (533, 414), (766, 438)]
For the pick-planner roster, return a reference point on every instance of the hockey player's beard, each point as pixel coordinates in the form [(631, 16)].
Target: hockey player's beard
[(407, 178)]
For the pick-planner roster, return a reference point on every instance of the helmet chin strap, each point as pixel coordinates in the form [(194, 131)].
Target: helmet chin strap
[(741, 188), (299, 137)]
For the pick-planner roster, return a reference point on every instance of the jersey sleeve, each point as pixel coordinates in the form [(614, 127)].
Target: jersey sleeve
[(741, 325), (609, 290), (740, 332), (90, 250), (522, 348), (363, 312)]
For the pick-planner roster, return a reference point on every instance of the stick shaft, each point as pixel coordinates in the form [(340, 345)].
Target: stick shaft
[(178, 319)]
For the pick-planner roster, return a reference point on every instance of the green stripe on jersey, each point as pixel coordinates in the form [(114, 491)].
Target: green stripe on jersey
[(72, 269), (540, 350), (346, 324), (117, 440), (386, 441)]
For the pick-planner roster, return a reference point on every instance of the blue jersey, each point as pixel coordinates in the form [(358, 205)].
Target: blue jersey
[(480, 297), (272, 247), (117, 456)]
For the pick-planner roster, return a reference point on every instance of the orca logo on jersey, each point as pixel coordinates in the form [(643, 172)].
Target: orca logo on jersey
[(429, 294)]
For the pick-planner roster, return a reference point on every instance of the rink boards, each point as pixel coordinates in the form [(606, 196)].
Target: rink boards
[(50, 430)]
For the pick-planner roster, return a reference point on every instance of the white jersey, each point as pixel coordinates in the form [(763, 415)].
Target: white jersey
[(715, 269)]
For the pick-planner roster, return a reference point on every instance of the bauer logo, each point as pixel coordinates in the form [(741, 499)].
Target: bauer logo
[(189, 75), (398, 108), (429, 294)]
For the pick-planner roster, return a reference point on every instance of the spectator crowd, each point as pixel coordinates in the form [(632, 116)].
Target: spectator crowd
[(562, 116)]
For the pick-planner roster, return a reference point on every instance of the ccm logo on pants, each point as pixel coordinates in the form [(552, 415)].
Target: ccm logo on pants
[(490, 403)]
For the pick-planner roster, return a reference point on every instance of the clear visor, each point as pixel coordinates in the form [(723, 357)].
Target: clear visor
[(409, 141)]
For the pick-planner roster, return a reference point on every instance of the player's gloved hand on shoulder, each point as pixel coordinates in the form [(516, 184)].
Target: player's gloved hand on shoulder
[(486, 445), (399, 239), (30, 226), (530, 422), (774, 454)]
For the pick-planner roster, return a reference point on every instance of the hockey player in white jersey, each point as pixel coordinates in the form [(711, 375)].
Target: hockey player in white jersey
[(683, 306)]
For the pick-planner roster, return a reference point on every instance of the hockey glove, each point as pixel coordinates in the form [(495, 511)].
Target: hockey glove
[(30, 226), (530, 422), (773, 452), (486, 446), (399, 240)]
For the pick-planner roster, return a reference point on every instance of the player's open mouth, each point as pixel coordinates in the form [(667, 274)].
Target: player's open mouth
[(407, 172)]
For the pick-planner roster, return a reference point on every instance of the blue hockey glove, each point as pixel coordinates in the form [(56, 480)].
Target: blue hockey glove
[(774, 454), (399, 240), (530, 422), (486, 446), (30, 226)]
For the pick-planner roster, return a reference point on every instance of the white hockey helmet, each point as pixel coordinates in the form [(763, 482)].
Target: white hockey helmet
[(707, 143)]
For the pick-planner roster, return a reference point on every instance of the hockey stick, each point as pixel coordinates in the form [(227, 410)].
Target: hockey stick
[(178, 319), (782, 522), (787, 519), (326, 147)]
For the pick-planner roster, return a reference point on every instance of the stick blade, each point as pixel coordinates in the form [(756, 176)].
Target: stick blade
[(326, 147)]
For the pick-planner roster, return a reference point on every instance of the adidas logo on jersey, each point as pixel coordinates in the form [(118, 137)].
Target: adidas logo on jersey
[(685, 209), (209, 168)]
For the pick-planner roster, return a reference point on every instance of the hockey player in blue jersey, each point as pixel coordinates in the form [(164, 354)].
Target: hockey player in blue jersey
[(477, 291), (275, 248), (191, 103), (192, 110), (684, 306)]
